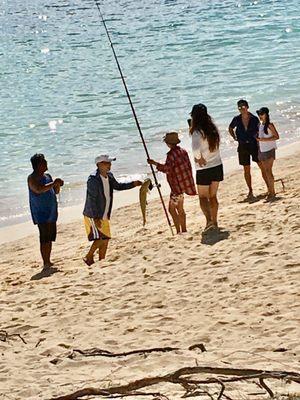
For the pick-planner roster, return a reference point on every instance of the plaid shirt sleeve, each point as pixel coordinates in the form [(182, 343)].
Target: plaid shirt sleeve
[(167, 167)]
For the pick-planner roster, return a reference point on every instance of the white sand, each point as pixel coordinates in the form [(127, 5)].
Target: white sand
[(238, 296)]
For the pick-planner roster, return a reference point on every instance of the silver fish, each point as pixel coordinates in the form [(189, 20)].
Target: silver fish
[(144, 189)]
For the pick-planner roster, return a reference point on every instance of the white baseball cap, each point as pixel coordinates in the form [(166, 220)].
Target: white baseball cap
[(104, 158)]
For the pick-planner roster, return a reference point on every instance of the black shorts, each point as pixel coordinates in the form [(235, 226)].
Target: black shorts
[(47, 232), (246, 150), (209, 175)]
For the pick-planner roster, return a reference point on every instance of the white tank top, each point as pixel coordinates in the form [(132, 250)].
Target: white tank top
[(265, 146)]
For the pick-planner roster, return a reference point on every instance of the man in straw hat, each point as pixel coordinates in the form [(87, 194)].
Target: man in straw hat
[(180, 178), (98, 205)]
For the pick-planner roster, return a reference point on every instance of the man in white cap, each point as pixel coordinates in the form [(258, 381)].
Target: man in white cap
[(98, 205)]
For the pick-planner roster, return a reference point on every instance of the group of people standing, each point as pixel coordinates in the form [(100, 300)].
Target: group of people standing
[(256, 140), (256, 137)]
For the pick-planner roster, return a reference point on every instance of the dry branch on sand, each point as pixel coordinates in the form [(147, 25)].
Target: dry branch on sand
[(5, 336), (95, 352), (182, 377)]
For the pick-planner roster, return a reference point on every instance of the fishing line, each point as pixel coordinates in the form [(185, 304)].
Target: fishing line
[(134, 113)]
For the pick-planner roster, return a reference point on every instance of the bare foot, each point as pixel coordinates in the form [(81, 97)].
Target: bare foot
[(270, 198), (215, 227), (250, 195), (48, 265), (88, 261), (209, 225)]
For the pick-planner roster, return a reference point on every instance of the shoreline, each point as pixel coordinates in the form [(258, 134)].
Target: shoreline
[(73, 213)]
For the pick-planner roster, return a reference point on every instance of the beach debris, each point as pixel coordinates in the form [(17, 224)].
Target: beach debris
[(280, 350), (40, 341), (198, 346), (105, 353), (282, 183), (144, 190), (5, 336), (217, 376)]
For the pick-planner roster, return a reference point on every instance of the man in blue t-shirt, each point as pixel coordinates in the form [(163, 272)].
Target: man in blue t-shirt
[(43, 204), (244, 129)]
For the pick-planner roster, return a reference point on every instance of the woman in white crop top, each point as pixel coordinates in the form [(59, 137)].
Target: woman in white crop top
[(208, 163), (267, 136)]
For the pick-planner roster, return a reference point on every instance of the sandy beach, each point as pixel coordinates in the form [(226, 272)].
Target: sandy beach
[(237, 293)]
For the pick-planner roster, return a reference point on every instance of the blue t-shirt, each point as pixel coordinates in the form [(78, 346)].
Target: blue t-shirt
[(43, 206), (243, 135)]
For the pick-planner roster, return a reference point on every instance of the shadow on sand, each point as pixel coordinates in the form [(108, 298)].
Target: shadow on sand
[(44, 273), (253, 199), (212, 236)]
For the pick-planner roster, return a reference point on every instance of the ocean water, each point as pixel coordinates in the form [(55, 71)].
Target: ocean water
[(60, 92)]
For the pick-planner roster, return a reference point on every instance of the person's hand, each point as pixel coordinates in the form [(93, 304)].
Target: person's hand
[(137, 183), (151, 162), (58, 182), (201, 161)]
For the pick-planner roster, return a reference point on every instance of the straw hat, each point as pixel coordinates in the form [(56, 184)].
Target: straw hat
[(171, 138)]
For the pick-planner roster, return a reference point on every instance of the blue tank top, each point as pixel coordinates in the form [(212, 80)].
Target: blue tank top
[(43, 206)]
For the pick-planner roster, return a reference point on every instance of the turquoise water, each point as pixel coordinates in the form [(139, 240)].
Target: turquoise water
[(60, 92)]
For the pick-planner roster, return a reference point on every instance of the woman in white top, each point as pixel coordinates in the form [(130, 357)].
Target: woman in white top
[(267, 136), (208, 163)]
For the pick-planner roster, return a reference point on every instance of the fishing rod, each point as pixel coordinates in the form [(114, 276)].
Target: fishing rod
[(134, 114)]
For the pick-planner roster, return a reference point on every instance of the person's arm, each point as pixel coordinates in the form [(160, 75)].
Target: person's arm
[(231, 129), (197, 150), (160, 167), (123, 186), (275, 134), (40, 188)]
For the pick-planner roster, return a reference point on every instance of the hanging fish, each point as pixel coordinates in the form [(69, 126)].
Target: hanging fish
[(144, 189)]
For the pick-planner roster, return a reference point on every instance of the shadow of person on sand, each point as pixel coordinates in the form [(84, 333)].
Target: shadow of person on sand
[(212, 236), (44, 273), (253, 199)]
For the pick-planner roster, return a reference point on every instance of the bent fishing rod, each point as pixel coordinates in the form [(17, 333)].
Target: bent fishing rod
[(134, 113)]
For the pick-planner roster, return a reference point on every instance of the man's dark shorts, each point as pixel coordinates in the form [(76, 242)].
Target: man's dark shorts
[(47, 232), (247, 150)]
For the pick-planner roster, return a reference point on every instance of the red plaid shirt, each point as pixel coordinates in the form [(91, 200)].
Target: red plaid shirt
[(179, 171)]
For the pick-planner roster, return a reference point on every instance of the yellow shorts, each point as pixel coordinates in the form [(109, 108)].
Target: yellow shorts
[(97, 228)]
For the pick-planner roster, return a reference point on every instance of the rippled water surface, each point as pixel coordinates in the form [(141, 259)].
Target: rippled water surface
[(60, 91)]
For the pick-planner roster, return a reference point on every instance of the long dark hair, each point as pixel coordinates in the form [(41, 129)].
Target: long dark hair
[(202, 122), (267, 123)]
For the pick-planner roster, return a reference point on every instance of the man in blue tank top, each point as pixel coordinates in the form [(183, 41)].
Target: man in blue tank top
[(43, 204)]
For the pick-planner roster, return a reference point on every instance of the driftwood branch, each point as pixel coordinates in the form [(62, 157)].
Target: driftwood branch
[(264, 385), (95, 352), (282, 183), (179, 377), (156, 396), (5, 336)]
